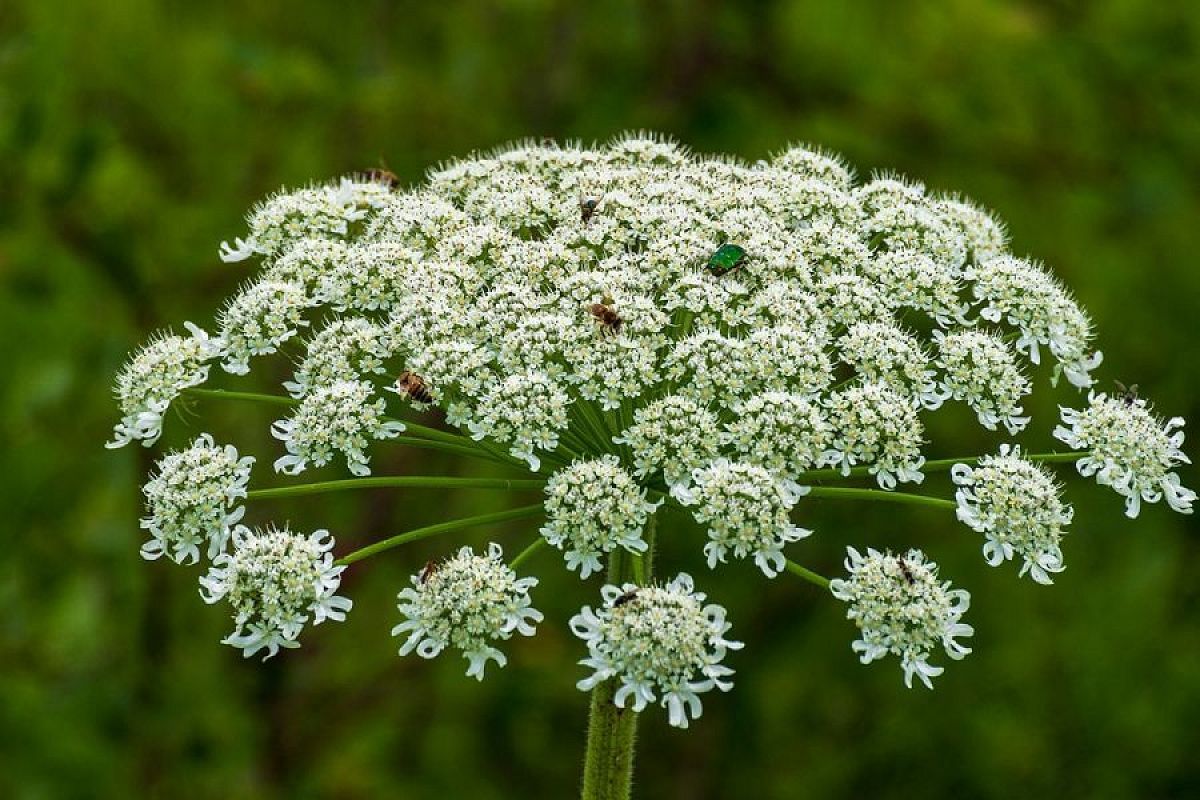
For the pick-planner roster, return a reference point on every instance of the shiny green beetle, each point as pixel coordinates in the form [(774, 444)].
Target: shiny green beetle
[(727, 258)]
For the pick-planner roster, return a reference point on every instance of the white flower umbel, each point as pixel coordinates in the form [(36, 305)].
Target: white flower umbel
[(1130, 450), (155, 376), (746, 510), (526, 411), (979, 368), (673, 434), (661, 642), (876, 425), (592, 508), (344, 350), (902, 609), (883, 352), (1017, 506), (259, 319), (1025, 295), (467, 602), (193, 499), (276, 581), (291, 217), (784, 432), (915, 280), (342, 417), (985, 235)]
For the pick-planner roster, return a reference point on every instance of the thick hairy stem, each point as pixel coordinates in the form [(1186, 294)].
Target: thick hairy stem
[(612, 731)]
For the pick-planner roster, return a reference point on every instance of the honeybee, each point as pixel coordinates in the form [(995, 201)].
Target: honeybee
[(413, 385), (610, 321), (625, 598), (1127, 394), (427, 570), (384, 176), (905, 570), (588, 208)]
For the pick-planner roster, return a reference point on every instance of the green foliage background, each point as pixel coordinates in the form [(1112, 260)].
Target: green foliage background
[(133, 134)]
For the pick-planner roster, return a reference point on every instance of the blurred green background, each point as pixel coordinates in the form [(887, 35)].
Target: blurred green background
[(134, 134)]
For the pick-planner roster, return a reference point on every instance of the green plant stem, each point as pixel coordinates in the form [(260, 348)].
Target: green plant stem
[(530, 551), (394, 481), (612, 731), (441, 527), (940, 465), (806, 574), (879, 496)]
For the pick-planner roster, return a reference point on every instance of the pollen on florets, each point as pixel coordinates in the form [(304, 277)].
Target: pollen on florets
[(674, 434), (258, 320), (467, 602), (1129, 449), (525, 411), (154, 377), (592, 508), (902, 609), (978, 367), (661, 642), (883, 352), (194, 499), (746, 510), (784, 432), (342, 417), (876, 425), (344, 350), (276, 582), (1026, 296), (1018, 507)]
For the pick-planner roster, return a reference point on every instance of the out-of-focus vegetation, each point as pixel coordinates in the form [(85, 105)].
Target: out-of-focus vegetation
[(133, 135)]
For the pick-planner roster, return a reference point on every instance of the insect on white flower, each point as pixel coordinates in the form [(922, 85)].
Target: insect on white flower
[(467, 602), (902, 609), (661, 642)]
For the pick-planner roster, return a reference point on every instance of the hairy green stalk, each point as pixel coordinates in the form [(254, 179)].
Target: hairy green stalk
[(612, 731)]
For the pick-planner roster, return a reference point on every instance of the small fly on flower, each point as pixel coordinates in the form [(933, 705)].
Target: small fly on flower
[(726, 259), (625, 598), (905, 570), (610, 321), (589, 207), (384, 176), (1127, 394), (427, 571), (413, 385)]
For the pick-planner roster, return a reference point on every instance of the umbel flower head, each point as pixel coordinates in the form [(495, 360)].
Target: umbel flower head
[(155, 376), (192, 499), (1017, 506), (276, 581), (902, 609), (746, 509), (628, 321), (661, 642), (592, 508), (1130, 450), (341, 417), (467, 602)]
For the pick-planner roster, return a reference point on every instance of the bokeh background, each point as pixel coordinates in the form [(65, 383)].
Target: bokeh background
[(133, 136)]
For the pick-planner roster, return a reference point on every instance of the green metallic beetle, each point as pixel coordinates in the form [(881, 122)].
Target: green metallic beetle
[(727, 258)]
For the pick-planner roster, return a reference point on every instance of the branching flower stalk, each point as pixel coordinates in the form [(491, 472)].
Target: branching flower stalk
[(626, 330)]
